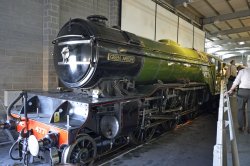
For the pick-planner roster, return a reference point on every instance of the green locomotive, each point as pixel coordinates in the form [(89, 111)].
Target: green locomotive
[(124, 88), (109, 55)]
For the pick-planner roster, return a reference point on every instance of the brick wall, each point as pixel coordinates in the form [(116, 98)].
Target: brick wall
[(82, 9), (26, 31), (21, 34), (51, 14)]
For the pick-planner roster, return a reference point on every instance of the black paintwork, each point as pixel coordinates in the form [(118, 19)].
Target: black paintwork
[(42, 106), (103, 41)]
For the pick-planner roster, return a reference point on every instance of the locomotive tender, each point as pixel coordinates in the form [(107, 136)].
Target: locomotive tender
[(123, 88)]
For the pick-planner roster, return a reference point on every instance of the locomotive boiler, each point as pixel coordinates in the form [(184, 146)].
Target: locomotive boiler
[(119, 88)]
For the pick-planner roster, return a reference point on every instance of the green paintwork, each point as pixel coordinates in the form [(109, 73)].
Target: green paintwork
[(168, 62)]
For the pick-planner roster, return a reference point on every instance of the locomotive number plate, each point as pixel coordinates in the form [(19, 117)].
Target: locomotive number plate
[(121, 58), (41, 130)]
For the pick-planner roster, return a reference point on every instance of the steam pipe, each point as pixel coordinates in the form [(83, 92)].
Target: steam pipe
[(12, 104), (24, 95)]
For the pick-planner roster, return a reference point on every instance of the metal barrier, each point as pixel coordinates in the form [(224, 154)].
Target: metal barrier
[(220, 149)]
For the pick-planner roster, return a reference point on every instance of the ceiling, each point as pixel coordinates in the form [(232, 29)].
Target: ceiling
[(226, 23)]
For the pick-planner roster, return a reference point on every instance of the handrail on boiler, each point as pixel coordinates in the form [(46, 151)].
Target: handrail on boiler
[(220, 148)]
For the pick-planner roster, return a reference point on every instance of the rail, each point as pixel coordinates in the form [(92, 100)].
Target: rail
[(220, 148)]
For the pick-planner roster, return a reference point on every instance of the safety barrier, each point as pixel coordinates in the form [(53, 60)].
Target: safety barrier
[(220, 149)]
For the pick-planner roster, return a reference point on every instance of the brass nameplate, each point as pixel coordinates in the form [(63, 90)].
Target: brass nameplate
[(56, 117), (121, 58)]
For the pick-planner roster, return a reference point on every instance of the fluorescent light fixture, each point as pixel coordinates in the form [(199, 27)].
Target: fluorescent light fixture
[(219, 53), (228, 56), (217, 46), (214, 38), (208, 44), (242, 51), (241, 43)]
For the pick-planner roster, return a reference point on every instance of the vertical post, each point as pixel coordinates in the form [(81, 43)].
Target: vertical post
[(193, 35), (155, 20), (68, 124), (178, 24), (120, 13), (25, 96), (242, 59), (204, 46), (37, 112)]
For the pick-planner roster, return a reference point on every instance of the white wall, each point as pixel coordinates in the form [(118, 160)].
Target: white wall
[(138, 17), (185, 34), (199, 39), (166, 24)]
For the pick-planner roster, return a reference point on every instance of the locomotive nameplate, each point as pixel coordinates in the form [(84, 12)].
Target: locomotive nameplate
[(121, 58)]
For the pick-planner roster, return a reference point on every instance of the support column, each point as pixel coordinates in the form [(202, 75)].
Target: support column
[(51, 14), (245, 59)]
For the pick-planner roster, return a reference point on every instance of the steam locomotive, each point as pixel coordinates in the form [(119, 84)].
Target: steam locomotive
[(122, 89)]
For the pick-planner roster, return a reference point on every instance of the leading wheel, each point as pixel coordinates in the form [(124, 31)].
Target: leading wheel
[(82, 151)]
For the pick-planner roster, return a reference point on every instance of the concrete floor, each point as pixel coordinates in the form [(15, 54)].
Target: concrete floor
[(188, 145)]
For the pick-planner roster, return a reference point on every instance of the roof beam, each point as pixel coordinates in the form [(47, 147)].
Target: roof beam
[(170, 8), (226, 41), (237, 52), (234, 47), (248, 4), (224, 17), (211, 6), (227, 32), (234, 55)]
